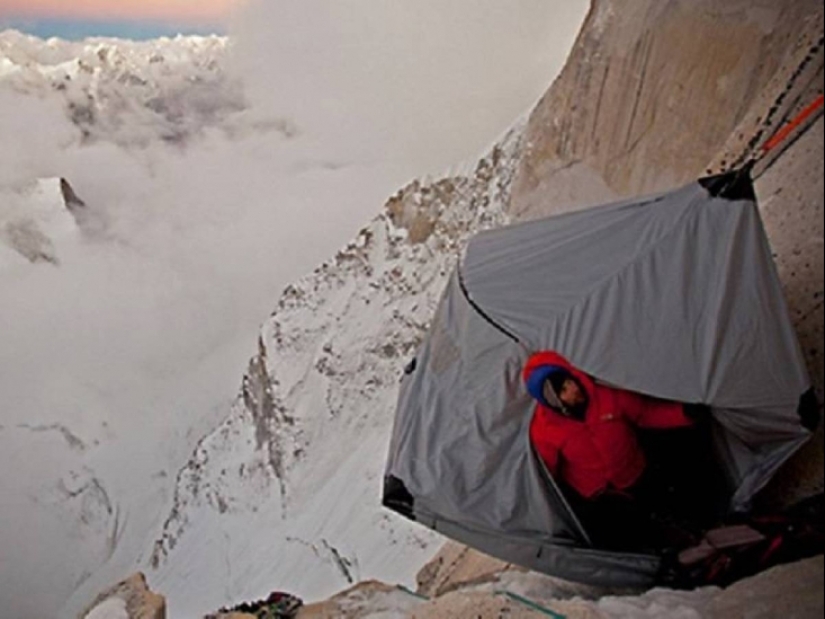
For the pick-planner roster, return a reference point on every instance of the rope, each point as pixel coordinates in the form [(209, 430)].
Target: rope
[(753, 153), (531, 605), (784, 138), (412, 593), (516, 598), (795, 124)]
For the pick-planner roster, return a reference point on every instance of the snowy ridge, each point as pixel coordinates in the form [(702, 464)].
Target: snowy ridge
[(300, 458), (36, 219), (124, 91)]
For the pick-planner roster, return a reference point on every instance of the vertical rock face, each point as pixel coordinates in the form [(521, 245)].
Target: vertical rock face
[(652, 92), (131, 599), (455, 567), (658, 93), (792, 201), (792, 591)]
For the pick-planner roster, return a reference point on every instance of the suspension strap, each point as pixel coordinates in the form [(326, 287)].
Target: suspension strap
[(796, 123), (531, 605), (789, 135), (758, 148)]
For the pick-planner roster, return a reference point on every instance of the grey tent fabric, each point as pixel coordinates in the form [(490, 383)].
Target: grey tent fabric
[(675, 296)]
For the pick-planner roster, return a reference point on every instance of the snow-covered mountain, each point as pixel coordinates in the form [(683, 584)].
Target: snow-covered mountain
[(126, 91), (300, 458), (125, 349), (36, 219)]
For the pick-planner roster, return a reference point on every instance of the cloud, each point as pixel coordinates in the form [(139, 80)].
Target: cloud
[(34, 132), (137, 343), (427, 81)]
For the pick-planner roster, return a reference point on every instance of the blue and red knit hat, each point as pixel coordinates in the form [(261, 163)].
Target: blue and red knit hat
[(557, 375)]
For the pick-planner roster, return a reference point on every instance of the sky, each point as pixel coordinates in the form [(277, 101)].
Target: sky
[(135, 19)]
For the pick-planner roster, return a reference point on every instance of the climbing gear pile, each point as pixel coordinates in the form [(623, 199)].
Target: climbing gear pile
[(276, 606)]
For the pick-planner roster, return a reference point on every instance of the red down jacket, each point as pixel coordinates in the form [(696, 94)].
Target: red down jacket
[(601, 453)]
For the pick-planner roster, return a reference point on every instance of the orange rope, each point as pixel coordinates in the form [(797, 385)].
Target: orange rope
[(794, 124)]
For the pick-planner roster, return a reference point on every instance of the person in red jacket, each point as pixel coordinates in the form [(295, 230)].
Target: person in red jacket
[(587, 434)]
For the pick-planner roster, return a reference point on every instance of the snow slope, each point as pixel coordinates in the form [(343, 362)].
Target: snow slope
[(125, 91), (300, 459), (36, 219), (115, 365)]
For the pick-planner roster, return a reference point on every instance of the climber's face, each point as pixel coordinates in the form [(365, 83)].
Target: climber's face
[(572, 395)]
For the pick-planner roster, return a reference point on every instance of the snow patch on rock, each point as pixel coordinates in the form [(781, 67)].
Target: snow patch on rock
[(113, 608), (300, 457), (36, 219)]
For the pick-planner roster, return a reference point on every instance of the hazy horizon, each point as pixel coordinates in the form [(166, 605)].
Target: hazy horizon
[(126, 19), (137, 343), (78, 30)]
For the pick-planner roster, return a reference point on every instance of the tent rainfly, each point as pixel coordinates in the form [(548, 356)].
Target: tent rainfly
[(675, 296)]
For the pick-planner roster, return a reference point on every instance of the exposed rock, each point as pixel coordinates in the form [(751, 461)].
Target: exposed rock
[(475, 604), (37, 218), (26, 238), (651, 93), (792, 196), (457, 566), (791, 190), (73, 202), (364, 600), (590, 141), (133, 597), (790, 592), (278, 605), (327, 369)]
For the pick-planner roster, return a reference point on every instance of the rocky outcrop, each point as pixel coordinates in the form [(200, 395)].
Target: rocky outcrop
[(789, 591), (131, 599), (792, 201), (366, 599), (652, 92), (36, 219), (659, 93), (326, 375), (457, 566)]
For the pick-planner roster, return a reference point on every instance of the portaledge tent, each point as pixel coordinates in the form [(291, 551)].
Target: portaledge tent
[(675, 296)]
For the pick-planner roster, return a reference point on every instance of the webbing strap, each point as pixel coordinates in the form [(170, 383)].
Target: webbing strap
[(532, 605), (789, 135), (795, 124), (753, 151), (412, 593)]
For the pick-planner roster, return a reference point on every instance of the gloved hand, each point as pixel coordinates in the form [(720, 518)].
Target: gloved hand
[(699, 413)]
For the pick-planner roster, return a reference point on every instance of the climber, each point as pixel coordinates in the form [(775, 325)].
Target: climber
[(587, 434)]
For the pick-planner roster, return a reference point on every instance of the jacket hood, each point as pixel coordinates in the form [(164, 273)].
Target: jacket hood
[(542, 366)]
